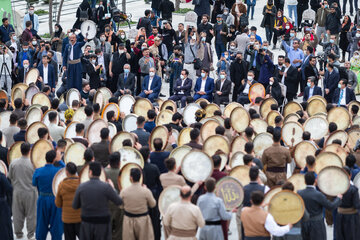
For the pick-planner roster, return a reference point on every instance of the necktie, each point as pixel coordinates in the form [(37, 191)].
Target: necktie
[(125, 78), (341, 96)]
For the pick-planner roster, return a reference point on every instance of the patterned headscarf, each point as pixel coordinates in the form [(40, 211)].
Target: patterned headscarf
[(69, 114)]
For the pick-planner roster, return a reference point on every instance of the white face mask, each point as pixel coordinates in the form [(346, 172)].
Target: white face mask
[(203, 39), (93, 61), (271, 83), (287, 27), (121, 51), (31, 12), (151, 74), (14, 38), (203, 75), (250, 78), (222, 76), (122, 36), (26, 65), (232, 47), (34, 42), (357, 35), (102, 39), (182, 77)]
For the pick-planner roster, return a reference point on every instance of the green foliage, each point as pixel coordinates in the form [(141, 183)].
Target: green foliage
[(183, 10), (41, 12)]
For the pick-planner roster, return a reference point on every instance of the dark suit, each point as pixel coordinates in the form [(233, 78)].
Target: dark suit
[(3, 155), (291, 82), (185, 88), (349, 96), (277, 71), (309, 71), (20, 136), (94, 75), (225, 91), (315, 201), (101, 152), (317, 91), (51, 76), (238, 72), (155, 87), (209, 89), (143, 136), (21, 75), (331, 81), (158, 159), (244, 97), (129, 84)]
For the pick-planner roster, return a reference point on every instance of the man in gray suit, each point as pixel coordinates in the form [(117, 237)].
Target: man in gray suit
[(11, 130), (140, 131), (126, 82), (56, 132)]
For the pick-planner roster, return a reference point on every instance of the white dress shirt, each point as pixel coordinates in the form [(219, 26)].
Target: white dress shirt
[(311, 91), (45, 77), (343, 99), (71, 57), (182, 84), (150, 82), (273, 228), (203, 82), (247, 88), (221, 84), (283, 78)]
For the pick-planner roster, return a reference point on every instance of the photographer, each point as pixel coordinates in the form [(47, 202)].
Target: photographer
[(169, 36), (5, 70)]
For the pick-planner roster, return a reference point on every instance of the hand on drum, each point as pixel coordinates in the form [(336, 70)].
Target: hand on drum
[(234, 210), (340, 196)]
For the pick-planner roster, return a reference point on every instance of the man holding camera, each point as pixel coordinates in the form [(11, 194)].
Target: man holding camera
[(5, 70)]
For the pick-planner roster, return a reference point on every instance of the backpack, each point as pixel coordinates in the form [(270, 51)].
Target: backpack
[(83, 15), (244, 20)]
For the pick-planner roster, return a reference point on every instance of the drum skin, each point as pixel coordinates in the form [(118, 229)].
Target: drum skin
[(196, 166), (291, 133), (292, 107), (94, 129), (189, 113), (38, 152), (259, 125), (169, 195), (117, 140), (208, 129), (256, 90), (31, 134), (84, 174), (184, 136), (33, 114), (216, 143), (210, 109), (270, 118), (298, 180), (231, 191), (302, 150), (130, 155), (14, 152), (338, 150), (79, 115), (265, 107), (126, 103), (237, 159), (158, 132), (58, 178), (340, 116), (316, 106), (167, 103), (129, 123), (179, 153), (41, 99), (124, 176), (70, 130), (238, 144), (3, 168), (75, 153), (230, 107), (262, 142), (326, 159), (239, 119), (333, 181), (241, 173), (317, 126), (142, 106), (164, 117), (338, 134), (32, 76)]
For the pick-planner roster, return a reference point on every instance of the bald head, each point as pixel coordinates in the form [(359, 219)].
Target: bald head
[(185, 193)]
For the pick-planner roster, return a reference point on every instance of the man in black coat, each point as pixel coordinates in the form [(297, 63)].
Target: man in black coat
[(205, 26), (182, 88), (146, 23), (343, 95), (333, 21), (93, 70), (238, 73), (101, 149), (291, 80), (245, 88), (22, 71), (222, 89), (166, 8), (117, 61), (279, 68), (315, 201), (311, 70), (331, 81), (126, 82), (311, 89), (155, 7)]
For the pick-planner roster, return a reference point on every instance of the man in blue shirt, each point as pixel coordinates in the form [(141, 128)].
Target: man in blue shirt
[(150, 123), (48, 215), (5, 30)]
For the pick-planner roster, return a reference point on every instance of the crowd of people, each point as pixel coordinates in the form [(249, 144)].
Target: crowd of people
[(320, 58)]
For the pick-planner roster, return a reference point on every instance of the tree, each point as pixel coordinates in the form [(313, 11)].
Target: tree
[(50, 16), (177, 5), (59, 12), (123, 5)]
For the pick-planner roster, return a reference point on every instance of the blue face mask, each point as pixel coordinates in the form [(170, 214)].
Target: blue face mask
[(332, 41), (25, 49), (339, 85), (309, 84), (265, 47), (126, 70), (292, 34), (326, 69)]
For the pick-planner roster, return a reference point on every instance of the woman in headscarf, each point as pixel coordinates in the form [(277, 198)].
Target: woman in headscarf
[(83, 13), (279, 27), (274, 90), (268, 21), (121, 38), (344, 42), (355, 67), (57, 38), (237, 10)]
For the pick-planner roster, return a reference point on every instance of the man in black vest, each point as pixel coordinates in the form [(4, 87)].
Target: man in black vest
[(118, 59)]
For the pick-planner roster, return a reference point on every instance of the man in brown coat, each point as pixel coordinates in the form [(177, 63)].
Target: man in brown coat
[(64, 198), (137, 199), (275, 159)]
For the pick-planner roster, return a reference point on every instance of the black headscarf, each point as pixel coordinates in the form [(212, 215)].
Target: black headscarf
[(58, 33)]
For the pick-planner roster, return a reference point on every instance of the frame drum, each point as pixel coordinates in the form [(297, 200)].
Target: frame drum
[(338, 134), (202, 100), (262, 142), (241, 173), (179, 153), (291, 133), (239, 119), (356, 182), (164, 117), (18, 91), (142, 106), (258, 125), (126, 103), (111, 107), (237, 159), (302, 150), (354, 135), (317, 126), (94, 129), (238, 144), (316, 106), (124, 175), (31, 91), (292, 117), (230, 107), (216, 143), (5, 119), (340, 116), (265, 107), (270, 119), (326, 159), (184, 136), (208, 129), (31, 135), (3, 168), (210, 109), (88, 29), (189, 113), (298, 180), (58, 178), (70, 131), (79, 115), (14, 152), (75, 153), (196, 166), (129, 123), (338, 150), (32, 76), (117, 140), (130, 155), (84, 174), (169, 195), (170, 103), (333, 181), (357, 103), (33, 114), (256, 90), (292, 107), (41, 99), (158, 132), (45, 118), (268, 196), (231, 191), (38, 152)]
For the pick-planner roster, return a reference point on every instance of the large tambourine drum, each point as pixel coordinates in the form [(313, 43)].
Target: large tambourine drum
[(354, 135), (31, 135), (265, 107), (291, 133), (292, 117), (340, 116), (230, 107), (75, 153), (31, 76), (298, 180), (69, 141), (356, 181), (326, 159), (79, 115), (208, 129), (168, 103), (204, 120), (41, 99), (70, 131), (58, 178), (270, 119), (14, 152), (45, 118), (216, 143), (102, 96), (196, 166), (129, 123), (220, 120), (33, 114), (241, 173), (316, 106), (238, 144), (3, 168), (317, 126), (110, 107), (38, 152), (268, 196), (356, 120), (3, 95), (88, 29), (338, 134), (262, 142), (18, 91), (338, 150), (158, 132), (239, 119), (126, 103), (94, 129), (354, 102), (231, 191), (142, 106), (302, 150), (184, 136), (287, 207), (333, 181), (124, 175), (321, 114), (199, 100), (258, 125), (189, 113), (210, 109), (237, 159), (72, 95), (317, 97), (5, 119), (84, 174), (175, 133), (292, 107), (164, 117), (256, 90), (118, 139), (130, 155), (31, 91), (179, 153), (169, 195)]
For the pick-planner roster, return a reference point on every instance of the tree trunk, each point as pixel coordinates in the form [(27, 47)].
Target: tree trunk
[(177, 5), (50, 16), (59, 12), (123, 5)]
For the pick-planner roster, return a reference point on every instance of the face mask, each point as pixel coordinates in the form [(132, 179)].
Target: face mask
[(326, 6), (126, 70), (93, 61), (232, 47), (292, 34), (226, 56), (193, 37), (34, 42), (121, 51), (309, 84), (256, 46), (265, 48), (26, 65), (331, 40), (14, 38), (203, 39), (31, 12), (25, 49), (271, 83), (357, 35), (102, 39), (326, 69), (250, 78), (182, 77), (222, 76), (203, 75), (142, 48), (151, 74), (287, 27), (122, 36), (339, 85), (219, 22), (226, 13), (279, 16)]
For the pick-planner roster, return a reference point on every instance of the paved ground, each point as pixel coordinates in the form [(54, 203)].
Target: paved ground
[(137, 9)]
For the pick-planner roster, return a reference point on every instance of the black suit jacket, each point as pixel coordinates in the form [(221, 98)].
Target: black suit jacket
[(277, 70), (349, 96), (242, 86), (101, 152), (309, 72), (317, 91), (129, 84), (186, 88), (94, 76), (21, 75), (291, 81), (226, 88)]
